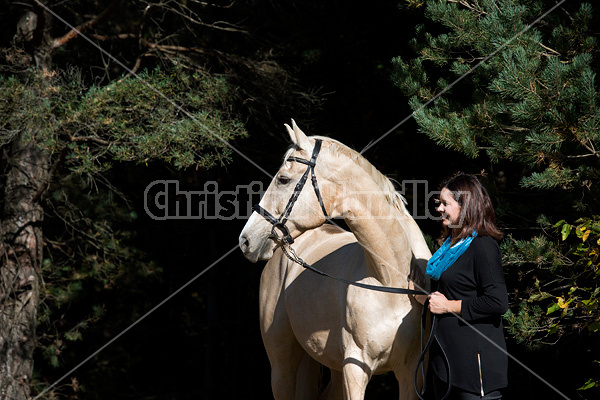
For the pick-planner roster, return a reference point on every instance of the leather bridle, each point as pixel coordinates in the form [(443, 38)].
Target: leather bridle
[(279, 223)]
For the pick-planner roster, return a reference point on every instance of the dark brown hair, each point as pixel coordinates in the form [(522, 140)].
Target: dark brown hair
[(476, 209)]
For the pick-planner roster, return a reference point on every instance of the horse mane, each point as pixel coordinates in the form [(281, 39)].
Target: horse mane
[(386, 185)]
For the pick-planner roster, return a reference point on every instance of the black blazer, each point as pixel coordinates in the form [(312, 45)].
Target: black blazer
[(474, 343)]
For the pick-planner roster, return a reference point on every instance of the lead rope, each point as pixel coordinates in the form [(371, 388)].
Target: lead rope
[(291, 254), (424, 350)]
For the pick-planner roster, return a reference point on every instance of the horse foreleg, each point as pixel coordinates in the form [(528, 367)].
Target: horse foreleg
[(356, 376)]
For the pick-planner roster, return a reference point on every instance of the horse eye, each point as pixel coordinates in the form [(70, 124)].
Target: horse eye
[(283, 180)]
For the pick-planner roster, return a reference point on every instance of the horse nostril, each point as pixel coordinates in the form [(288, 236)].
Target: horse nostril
[(244, 244)]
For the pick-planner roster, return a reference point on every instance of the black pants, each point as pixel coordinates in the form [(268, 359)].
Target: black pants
[(440, 388)]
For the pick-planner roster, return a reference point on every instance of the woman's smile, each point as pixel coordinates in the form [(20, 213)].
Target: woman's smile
[(448, 208)]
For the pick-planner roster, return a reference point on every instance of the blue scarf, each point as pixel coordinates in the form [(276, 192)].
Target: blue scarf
[(445, 256)]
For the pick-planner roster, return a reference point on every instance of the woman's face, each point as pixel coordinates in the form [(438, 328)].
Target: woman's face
[(449, 209)]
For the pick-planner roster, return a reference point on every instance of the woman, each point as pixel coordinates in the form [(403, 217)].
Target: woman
[(471, 295)]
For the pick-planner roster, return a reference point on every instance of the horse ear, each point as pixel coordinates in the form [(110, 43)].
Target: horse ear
[(291, 133), (298, 137)]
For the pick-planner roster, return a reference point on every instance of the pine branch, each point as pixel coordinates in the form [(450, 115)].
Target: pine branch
[(588, 144), (94, 139), (554, 52), (469, 6)]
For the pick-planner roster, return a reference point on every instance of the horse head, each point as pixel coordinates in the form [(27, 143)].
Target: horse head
[(289, 207)]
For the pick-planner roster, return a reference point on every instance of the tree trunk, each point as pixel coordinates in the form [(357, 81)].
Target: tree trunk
[(21, 241), (21, 252)]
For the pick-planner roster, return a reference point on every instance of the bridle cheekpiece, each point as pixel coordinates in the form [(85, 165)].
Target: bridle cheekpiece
[(279, 223)]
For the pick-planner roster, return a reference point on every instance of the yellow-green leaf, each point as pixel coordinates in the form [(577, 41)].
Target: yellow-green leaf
[(566, 230), (585, 235), (552, 307), (588, 385), (562, 303)]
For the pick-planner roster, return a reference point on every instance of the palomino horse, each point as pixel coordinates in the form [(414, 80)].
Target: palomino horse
[(307, 319)]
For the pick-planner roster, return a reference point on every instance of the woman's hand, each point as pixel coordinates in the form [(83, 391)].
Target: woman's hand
[(439, 304), (416, 281)]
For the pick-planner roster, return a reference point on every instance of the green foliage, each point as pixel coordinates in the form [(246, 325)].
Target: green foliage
[(559, 292), (571, 299), (591, 383), (584, 248), (27, 106), (538, 251), (525, 325), (169, 116), (574, 299), (173, 117), (535, 101)]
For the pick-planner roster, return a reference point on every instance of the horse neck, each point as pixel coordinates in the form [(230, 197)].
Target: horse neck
[(419, 247), (375, 223)]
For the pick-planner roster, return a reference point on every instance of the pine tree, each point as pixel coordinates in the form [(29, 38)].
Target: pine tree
[(535, 101)]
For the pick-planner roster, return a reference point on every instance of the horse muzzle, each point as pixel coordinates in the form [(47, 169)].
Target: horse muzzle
[(257, 246)]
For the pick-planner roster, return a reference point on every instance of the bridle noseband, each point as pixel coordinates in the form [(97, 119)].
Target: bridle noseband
[(279, 223)]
